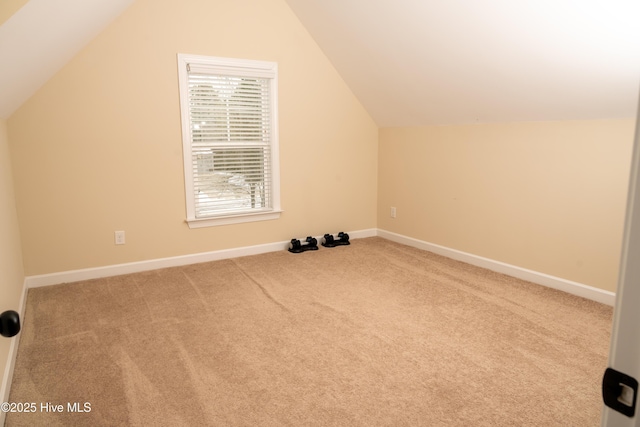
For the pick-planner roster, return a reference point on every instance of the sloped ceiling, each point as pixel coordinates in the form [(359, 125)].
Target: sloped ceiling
[(410, 62), (41, 37), (419, 62)]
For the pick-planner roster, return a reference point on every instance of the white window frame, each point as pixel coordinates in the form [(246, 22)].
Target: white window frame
[(240, 67)]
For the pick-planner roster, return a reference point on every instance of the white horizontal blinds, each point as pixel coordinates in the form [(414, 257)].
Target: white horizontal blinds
[(230, 121)]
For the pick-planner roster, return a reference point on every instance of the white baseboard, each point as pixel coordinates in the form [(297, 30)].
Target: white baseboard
[(575, 288), (579, 289), (135, 267), (589, 292), (154, 264)]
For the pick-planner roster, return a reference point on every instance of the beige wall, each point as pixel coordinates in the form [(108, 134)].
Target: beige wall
[(9, 7), (11, 272), (98, 148), (549, 197)]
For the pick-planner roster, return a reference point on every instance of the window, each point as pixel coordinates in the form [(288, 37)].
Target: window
[(230, 139)]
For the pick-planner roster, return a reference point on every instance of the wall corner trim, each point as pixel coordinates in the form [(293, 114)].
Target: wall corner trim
[(575, 288)]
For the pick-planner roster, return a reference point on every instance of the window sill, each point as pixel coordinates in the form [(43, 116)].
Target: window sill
[(233, 219)]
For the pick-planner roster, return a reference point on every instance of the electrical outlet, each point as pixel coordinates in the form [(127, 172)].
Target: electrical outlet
[(393, 212), (119, 236)]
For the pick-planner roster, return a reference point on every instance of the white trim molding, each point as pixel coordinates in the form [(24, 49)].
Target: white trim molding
[(266, 73), (575, 288), (154, 264), (589, 292)]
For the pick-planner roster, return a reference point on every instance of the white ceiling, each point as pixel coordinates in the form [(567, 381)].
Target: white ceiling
[(410, 62), (41, 38), (419, 62)]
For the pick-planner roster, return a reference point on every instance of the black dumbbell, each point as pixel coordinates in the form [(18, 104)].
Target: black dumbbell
[(296, 246), (329, 241)]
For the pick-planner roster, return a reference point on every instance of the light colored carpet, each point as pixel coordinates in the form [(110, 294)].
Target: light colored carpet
[(374, 333)]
